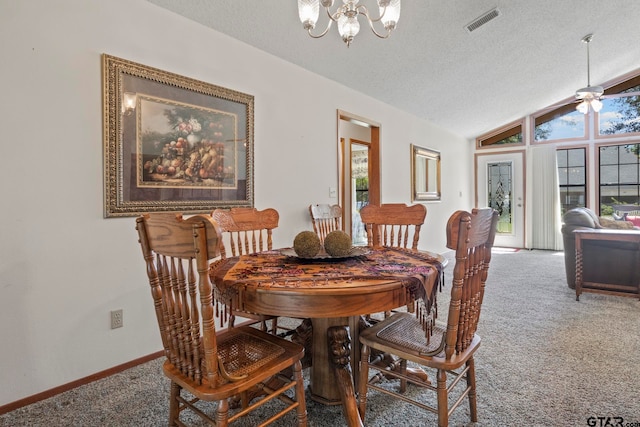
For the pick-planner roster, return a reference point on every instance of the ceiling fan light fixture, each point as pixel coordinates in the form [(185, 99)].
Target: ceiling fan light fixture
[(589, 92), (590, 95)]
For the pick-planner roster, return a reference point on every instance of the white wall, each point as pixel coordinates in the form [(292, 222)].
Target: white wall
[(63, 267)]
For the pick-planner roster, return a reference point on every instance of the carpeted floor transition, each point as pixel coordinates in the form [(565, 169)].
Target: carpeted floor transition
[(545, 360)]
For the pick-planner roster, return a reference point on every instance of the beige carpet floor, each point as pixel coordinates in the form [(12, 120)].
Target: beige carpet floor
[(545, 360)]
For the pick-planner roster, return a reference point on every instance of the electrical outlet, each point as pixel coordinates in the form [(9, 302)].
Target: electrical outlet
[(116, 319)]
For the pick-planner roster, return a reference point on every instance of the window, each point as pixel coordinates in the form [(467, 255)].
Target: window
[(509, 135), (561, 123), (619, 176), (621, 115), (572, 177)]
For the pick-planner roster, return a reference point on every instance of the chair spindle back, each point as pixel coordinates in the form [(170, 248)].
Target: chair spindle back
[(248, 229), (393, 224), (325, 219), (471, 236), (177, 253)]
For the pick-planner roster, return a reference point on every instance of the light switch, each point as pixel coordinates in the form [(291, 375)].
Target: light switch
[(333, 192)]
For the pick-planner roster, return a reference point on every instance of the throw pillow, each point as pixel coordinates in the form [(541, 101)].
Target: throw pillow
[(619, 225)]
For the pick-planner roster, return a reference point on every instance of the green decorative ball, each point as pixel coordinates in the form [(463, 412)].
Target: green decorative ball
[(307, 244), (337, 243)]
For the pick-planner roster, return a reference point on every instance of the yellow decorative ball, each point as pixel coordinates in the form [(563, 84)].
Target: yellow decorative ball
[(307, 244), (337, 243)]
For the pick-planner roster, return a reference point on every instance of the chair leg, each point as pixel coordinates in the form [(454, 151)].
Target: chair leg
[(274, 326), (443, 403), (244, 399), (403, 371), (363, 381), (174, 405), (299, 392), (471, 383), (222, 413)]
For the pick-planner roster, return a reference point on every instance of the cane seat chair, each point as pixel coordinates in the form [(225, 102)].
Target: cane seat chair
[(246, 231), (447, 348), (211, 366), (395, 225), (325, 219)]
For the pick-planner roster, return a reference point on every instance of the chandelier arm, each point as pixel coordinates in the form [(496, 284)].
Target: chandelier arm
[(336, 15), (322, 34), (382, 36), (364, 12)]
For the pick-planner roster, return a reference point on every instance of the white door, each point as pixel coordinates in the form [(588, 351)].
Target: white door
[(500, 185)]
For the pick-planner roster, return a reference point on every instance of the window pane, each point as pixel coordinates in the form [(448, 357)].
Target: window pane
[(628, 153), (568, 125), (563, 177), (628, 174), (512, 135), (628, 192), (608, 192), (608, 175), (609, 155), (572, 177), (620, 115), (562, 156), (576, 176), (576, 157), (499, 181)]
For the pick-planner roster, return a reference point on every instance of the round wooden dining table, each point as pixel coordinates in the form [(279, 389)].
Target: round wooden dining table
[(334, 294)]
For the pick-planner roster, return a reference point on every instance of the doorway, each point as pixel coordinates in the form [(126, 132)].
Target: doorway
[(500, 185), (359, 170)]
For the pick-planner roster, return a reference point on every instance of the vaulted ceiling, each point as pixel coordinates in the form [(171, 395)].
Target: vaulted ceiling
[(529, 57)]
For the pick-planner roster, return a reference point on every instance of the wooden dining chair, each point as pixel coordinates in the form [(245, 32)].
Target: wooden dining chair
[(325, 219), (246, 231), (447, 348), (393, 224), (210, 366)]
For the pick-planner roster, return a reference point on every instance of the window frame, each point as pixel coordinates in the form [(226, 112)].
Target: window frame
[(587, 172), (501, 133), (567, 106), (597, 166)]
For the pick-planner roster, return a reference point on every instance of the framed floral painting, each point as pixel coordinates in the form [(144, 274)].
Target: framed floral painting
[(172, 143)]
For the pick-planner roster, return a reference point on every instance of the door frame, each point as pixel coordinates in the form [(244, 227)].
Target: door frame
[(518, 158), (344, 162)]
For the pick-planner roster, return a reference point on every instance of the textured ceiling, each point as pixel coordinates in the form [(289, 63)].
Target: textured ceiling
[(528, 58)]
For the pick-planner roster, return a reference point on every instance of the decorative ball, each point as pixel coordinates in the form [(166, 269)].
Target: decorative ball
[(307, 244), (337, 243)]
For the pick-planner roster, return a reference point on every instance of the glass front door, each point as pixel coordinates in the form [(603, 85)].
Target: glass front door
[(500, 185)]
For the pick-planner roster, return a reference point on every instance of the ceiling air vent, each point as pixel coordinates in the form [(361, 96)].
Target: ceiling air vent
[(479, 22)]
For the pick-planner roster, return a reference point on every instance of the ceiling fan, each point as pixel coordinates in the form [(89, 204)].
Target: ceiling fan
[(589, 97)]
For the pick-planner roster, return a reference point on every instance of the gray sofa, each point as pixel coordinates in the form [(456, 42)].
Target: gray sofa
[(606, 261)]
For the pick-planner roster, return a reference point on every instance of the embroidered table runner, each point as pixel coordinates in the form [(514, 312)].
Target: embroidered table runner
[(420, 273)]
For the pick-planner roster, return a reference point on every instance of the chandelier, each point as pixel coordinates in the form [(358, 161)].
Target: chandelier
[(346, 17), (590, 95)]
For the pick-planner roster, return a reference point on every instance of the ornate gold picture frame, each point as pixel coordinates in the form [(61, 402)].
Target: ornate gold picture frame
[(172, 143)]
